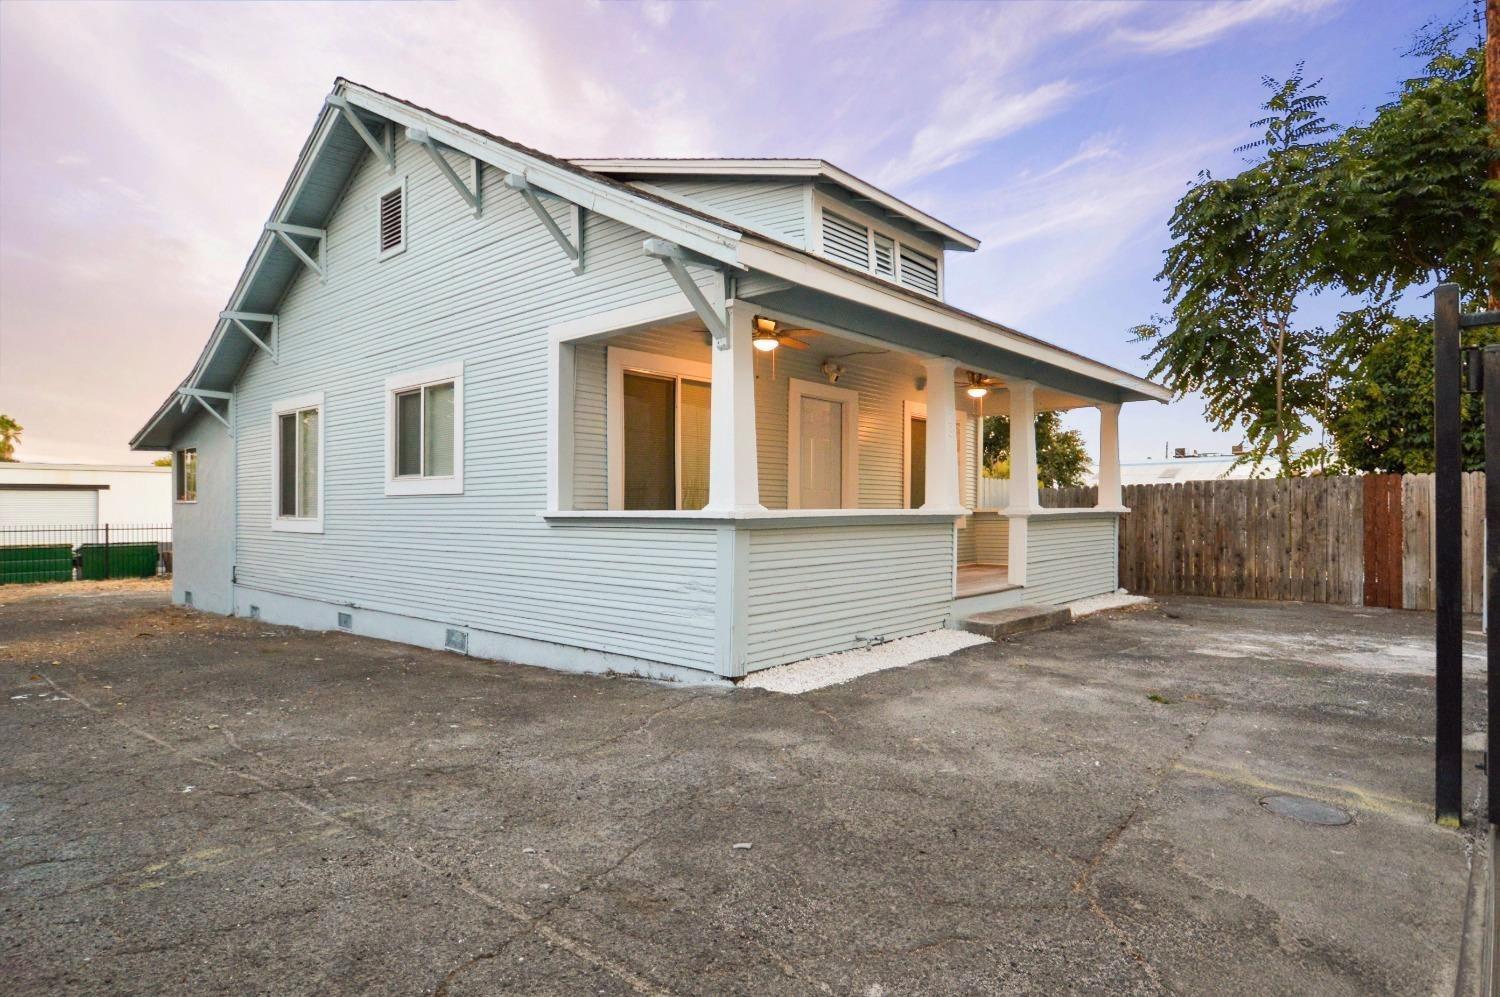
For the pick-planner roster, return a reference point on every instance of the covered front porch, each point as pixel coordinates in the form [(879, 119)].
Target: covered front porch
[(843, 467)]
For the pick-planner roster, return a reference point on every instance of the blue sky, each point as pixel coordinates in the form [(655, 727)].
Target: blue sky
[(144, 145)]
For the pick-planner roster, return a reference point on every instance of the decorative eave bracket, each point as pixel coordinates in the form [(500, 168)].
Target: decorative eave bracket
[(284, 233), (572, 247), (675, 259), (382, 149), (471, 197), (270, 343), (203, 395)]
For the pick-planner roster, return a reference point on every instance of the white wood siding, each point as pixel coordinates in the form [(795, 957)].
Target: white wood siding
[(819, 590), (777, 208), (482, 291), (202, 531), (1071, 557)]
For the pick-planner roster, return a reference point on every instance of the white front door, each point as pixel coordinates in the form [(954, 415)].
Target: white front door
[(822, 456)]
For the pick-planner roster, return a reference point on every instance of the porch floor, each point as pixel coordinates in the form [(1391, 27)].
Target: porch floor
[(982, 579)]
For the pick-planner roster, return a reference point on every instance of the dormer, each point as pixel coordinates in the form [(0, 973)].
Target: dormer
[(810, 204)]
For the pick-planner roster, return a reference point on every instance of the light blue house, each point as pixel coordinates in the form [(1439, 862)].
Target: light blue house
[(680, 418)]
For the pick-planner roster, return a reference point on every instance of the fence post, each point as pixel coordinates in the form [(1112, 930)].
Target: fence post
[(106, 551), (1492, 566)]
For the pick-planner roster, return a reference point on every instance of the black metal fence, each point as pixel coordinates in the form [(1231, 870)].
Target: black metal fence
[(73, 553)]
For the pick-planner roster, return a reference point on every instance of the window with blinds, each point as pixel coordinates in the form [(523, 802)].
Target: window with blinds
[(846, 241), (297, 494), (858, 245), (393, 220), (919, 272)]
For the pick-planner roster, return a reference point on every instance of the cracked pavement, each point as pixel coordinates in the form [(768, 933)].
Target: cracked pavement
[(191, 804)]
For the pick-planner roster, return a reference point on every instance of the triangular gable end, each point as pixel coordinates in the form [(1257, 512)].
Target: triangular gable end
[(357, 121)]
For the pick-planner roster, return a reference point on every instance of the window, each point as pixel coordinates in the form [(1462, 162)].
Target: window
[(659, 457), (185, 468), (297, 466), (822, 446), (392, 219), (425, 432)]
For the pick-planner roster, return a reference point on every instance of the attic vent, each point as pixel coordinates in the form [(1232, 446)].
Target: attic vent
[(393, 220), (846, 241), (885, 256), (918, 272)]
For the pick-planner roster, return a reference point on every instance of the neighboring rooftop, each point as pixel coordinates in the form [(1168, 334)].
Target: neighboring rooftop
[(815, 169)]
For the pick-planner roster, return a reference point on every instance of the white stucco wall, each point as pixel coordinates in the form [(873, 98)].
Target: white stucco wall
[(135, 495)]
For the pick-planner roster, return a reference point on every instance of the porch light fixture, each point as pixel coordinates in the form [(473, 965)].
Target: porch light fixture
[(977, 388)]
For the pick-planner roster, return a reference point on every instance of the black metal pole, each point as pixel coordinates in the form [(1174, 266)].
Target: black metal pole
[(1448, 569), (106, 550), (1492, 562)]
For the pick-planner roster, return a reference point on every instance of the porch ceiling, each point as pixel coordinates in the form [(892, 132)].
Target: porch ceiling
[(1069, 389)]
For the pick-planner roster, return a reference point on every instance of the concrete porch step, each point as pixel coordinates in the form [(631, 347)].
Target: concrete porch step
[(1022, 619)]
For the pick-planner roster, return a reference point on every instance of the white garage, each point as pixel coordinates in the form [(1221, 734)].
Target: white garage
[(43, 505)]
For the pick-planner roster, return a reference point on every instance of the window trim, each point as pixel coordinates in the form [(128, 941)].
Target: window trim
[(797, 389), (178, 476), (396, 384), (618, 360), (289, 406), (398, 183), (822, 202)]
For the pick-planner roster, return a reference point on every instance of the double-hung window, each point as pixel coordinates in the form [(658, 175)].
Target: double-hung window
[(297, 464), (425, 432), (185, 469)]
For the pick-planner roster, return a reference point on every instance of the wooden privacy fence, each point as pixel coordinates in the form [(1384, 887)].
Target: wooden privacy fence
[(1364, 540)]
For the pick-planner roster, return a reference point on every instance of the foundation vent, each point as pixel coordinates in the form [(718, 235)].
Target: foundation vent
[(255, 612), (187, 598), (346, 621), (457, 640)]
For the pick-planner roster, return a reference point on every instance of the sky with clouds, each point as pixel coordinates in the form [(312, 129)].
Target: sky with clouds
[(143, 145)]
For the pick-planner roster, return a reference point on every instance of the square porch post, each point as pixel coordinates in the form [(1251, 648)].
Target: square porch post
[(1110, 494), (1023, 471), (942, 434), (733, 471)]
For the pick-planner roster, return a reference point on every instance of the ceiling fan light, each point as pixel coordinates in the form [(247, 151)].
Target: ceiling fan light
[(765, 341), (977, 390)]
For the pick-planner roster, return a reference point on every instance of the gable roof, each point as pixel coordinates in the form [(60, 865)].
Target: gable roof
[(761, 167), (334, 149)]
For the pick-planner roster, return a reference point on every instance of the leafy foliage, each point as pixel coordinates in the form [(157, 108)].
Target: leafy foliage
[(1382, 417), (1242, 254), (1061, 459), (10, 435), (1413, 201)]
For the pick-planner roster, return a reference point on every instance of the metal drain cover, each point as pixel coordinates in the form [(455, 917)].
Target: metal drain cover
[(1306, 810)]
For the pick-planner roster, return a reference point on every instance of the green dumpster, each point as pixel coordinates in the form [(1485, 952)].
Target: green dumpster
[(36, 563), (130, 560)]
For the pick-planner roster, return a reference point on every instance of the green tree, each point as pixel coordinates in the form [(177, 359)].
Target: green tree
[(1382, 416), (1061, 460), (1412, 198), (10, 435), (1243, 253)]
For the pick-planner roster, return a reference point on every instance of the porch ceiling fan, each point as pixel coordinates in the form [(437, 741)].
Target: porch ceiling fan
[(977, 385), (769, 334)]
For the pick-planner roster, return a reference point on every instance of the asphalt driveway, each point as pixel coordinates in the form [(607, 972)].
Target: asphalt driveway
[(190, 804)]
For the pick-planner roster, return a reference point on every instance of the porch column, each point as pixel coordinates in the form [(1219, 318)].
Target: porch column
[(942, 434), (1110, 495), (733, 472), (1023, 487)]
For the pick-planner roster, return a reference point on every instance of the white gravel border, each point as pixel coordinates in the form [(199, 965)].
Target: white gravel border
[(836, 669), (1099, 603)]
